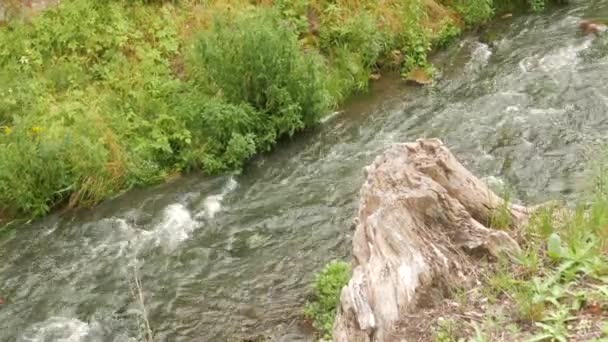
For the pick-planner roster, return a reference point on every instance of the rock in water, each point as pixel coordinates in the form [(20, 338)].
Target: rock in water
[(592, 27), (419, 210), (419, 76)]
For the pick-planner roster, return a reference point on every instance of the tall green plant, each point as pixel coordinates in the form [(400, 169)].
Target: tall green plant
[(475, 11), (252, 60)]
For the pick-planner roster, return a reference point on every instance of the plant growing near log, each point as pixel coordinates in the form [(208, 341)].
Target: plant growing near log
[(560, 280), (501, 216), (447, 331), (327, 287)]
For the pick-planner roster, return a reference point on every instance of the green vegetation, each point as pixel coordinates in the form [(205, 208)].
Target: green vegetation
[(447, 331), (97, 97), (560, 283), (327, 287), (557, 289)]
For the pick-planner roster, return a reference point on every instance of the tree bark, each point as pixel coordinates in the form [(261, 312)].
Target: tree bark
[(421, 215)]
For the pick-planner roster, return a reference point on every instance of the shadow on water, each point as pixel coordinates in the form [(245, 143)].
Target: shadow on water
[(234, 256)]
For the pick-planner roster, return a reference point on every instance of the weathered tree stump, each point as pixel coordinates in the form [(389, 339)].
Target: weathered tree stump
[(420, 213)]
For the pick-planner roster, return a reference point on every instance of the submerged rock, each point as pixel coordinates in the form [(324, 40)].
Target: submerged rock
[(592, 27), (419, 76), (421, 215)]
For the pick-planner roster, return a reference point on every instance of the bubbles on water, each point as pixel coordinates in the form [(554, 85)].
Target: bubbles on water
[(213, 204), (176, 226), (480, 56), (57, 329), (67, 329), (512, 109), (178, 222), (564, 57)]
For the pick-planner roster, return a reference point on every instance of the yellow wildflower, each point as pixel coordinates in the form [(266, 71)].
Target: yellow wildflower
[(7, 130)]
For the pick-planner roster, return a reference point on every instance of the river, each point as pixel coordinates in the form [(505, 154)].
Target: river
[(232, 256)]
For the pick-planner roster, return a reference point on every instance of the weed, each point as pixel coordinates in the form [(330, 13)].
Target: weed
[(501, 217), (250, 61), (447, 34), (327, 287), (446, 332), (475, 12)]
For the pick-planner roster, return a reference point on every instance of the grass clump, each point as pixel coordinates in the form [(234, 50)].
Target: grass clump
[(561, 289), (558, 288), (447, 34), (327, 287), (250, 61), (253, 85)]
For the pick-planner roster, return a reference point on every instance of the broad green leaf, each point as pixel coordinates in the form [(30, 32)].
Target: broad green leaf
[(554, 247)]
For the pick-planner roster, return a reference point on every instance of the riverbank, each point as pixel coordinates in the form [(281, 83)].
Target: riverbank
[(98, 97), (466, 265)]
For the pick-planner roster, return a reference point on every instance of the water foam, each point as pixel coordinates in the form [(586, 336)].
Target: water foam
[(176, 226), (57, 329), (564, 57), (213, 204)]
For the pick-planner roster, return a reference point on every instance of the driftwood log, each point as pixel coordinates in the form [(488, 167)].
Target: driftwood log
[(421, 213)]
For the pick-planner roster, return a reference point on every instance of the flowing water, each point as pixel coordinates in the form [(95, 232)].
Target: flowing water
[(232, 256)]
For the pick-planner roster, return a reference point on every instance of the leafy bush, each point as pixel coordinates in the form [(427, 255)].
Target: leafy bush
[(45, 165), (253, 61), (223, 135), (415, 40), (475, 11), (327, 287), (295, 13), (354, 45), (449, 31)]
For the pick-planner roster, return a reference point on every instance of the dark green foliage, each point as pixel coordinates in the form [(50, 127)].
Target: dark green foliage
[(475, 11), (251, 61), (223, 135), (86, 103), (353, 47), (415, 40), (327, 287), (449, 32)]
